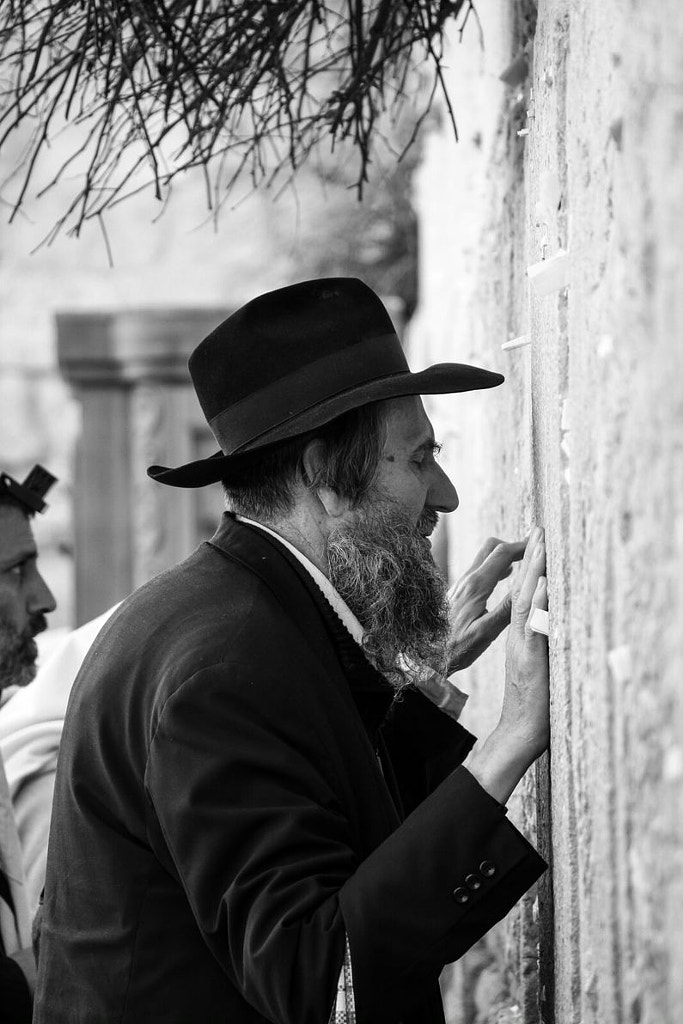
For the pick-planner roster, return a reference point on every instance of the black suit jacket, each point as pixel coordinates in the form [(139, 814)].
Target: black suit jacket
[(221, 818)]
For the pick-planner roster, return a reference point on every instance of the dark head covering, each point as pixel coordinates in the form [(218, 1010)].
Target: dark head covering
[(31, 493), (294, 359)]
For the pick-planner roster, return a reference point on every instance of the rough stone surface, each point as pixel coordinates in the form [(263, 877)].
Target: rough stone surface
[(586, 437)]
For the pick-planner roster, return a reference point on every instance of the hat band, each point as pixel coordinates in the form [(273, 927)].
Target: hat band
[(295, 393)]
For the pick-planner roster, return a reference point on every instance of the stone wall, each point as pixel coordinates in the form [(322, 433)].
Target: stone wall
[(583, 156)]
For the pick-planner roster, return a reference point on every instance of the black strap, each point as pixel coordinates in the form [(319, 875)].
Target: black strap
[(6, 892)]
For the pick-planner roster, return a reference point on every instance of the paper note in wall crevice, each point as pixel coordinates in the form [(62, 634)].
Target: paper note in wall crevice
[(540, 623), (550, 275)]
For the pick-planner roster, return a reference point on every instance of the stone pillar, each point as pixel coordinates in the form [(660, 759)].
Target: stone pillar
[(129, 373)]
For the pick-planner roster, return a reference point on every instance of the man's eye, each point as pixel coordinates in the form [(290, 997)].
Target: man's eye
[(426, 455), (17, 570)]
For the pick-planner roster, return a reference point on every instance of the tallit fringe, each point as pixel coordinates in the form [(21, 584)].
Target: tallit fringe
[(344, 1011)]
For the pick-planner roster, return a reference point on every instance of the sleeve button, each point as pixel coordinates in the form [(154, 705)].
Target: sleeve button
[(461, 895), (487, 868), (473, 882)]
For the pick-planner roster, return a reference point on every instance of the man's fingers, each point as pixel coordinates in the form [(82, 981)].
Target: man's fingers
[(539, 600), (468, 597), (499, 562), (495, 621), (478, 584), (489, 625), (484, 551), (480, 635), (489, 547), (535, 568), (534, 537)]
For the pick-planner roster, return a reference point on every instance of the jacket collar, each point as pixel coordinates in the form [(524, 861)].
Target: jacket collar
[(283, 574), (323, 584)]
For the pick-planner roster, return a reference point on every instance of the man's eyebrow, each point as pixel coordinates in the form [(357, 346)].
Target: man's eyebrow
[(18, 558)]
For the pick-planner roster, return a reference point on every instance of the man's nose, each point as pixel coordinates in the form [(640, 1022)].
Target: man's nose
[(442, 494), (41, 599)]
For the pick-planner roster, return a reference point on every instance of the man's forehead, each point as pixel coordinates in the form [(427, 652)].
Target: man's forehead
[(16, 535), (408, 423)]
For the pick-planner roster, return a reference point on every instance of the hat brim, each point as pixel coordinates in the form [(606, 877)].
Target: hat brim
[(441, 379)]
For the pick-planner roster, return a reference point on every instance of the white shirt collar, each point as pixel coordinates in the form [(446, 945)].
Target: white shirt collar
[(340, 606)]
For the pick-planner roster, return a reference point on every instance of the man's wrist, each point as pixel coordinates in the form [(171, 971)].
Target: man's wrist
[(500, 762)]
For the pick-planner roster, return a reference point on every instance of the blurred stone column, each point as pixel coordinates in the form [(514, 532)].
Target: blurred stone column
[(129, 373)]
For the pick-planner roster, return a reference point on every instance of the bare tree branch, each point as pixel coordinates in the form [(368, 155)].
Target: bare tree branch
[(146, 90)]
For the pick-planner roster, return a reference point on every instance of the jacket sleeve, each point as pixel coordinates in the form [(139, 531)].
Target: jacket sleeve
[(251, 820), (424, 746), (453, 869)]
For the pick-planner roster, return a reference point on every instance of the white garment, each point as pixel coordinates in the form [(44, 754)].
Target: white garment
[(15, 928), (31, 724)]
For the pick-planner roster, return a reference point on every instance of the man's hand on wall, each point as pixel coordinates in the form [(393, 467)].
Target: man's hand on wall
[(526, 713), (473, 627), (523, 730)]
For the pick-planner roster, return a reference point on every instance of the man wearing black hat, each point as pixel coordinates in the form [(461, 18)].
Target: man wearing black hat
[(25, 599), (261, 813)]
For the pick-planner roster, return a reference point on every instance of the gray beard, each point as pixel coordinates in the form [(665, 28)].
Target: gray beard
[(18, 653), (383, 569)]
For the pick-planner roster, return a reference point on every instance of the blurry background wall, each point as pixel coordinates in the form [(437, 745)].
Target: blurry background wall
[(586, 438)]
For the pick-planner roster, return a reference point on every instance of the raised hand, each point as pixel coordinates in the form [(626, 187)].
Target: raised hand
[(523, 729), (525, 710), (473, 626)]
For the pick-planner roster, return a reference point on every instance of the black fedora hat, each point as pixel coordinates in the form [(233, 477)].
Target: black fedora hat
[(294, 359)]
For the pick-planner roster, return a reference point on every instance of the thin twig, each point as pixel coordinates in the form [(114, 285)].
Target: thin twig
[(190, 81)]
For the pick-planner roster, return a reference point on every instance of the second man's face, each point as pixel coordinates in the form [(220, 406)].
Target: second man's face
[(25, 598)]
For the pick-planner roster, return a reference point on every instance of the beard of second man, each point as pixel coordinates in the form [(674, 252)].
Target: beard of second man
[(18, 651), (382, 567)]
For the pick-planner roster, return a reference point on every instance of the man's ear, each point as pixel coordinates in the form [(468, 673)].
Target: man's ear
[(313, 470)]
